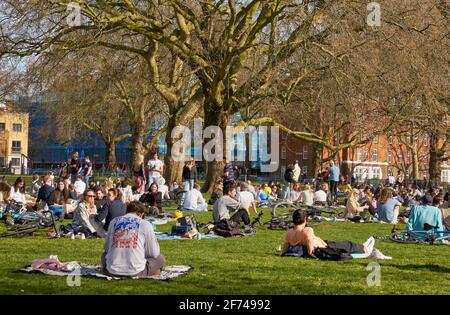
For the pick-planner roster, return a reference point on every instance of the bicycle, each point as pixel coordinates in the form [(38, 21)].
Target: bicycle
[(21, 222), (415, 237)]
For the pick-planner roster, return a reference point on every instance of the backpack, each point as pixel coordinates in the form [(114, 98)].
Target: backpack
[(331, 254), (227, 228), (289, 176), (184, 225)]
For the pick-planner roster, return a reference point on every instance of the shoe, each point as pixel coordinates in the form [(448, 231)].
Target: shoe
[(376, 254), (70, 235), (369, 244)]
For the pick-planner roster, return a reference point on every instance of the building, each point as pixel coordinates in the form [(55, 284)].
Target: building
[(383, 156), (13, 139), (292, 150)]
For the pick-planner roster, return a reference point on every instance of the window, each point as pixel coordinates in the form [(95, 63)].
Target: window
[(358, 155), (15, 162), (366, 155), (425, 139), (376, 173), (17, 127), (2, 126), (408, 157), (389, 157), (16, 147), (375, 155), (400, 155), (305, 170), (305, 152), (283, 153), (390, 140), (284, 136), (445, 176)]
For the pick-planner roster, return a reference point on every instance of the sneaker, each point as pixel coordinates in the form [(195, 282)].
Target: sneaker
[(69, 235), (369, 244), (376, 254)]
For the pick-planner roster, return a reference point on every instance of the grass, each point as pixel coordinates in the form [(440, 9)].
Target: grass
[(248, 265)]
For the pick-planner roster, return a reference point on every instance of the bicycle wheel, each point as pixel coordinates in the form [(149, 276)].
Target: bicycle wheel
[(281, 206), (403, 237)]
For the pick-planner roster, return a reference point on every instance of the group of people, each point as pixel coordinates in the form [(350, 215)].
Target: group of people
[(116, 209)]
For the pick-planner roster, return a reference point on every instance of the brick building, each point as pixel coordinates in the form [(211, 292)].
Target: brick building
[(383, 156)]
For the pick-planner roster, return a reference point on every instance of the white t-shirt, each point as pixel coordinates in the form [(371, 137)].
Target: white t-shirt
[(193, 198), (127, 194), (80, 187), (130, 240), (17, 196), (246, 198), (158, 165), (320, 196)]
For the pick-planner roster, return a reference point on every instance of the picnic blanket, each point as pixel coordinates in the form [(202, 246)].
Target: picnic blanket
[(86, 270), (167, 236)]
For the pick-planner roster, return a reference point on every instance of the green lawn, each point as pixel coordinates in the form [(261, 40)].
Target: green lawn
[(248, 265)]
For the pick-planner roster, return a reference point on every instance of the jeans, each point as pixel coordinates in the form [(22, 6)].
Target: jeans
[(287, 193), (86, 180), (73, 178), (333, 189), (241, 215)]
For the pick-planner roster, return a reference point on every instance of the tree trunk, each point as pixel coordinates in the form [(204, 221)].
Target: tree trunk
[(214, 116), (173, 169), (435, 158), (110, 155), (137, 144), (415, 159), (317, 160)]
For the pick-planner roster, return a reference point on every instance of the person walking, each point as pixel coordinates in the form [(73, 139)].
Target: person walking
[(334, 179)]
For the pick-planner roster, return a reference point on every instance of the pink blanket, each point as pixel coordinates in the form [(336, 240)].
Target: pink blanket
[(52, 262)]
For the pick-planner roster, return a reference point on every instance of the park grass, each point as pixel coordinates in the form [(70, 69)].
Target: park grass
[(248, 265)]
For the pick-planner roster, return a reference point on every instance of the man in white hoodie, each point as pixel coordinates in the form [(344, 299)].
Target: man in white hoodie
[(296, 171)]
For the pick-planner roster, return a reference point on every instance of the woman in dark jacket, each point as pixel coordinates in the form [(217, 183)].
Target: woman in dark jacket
[(153, 198), (113, 208)]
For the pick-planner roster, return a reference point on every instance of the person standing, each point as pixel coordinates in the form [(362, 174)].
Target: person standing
[(228, 175), (74, 167), (156, 168), (334, 179), (296, 171), (86, 170)]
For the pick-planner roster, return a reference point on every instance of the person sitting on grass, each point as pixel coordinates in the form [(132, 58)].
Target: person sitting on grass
[(153, 198), (425, 216), (58, 199), (353, 210), (388, 207), (113, 208), (227, 203), (247, 199), (85, 209), (194, 200), (131, 248), (301, 235)]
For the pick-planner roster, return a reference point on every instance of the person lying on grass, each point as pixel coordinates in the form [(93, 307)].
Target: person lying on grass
[(301, 235), (131, 248)]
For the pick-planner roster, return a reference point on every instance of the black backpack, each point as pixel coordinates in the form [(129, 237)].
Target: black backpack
[(331, 254), (227, 228)]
